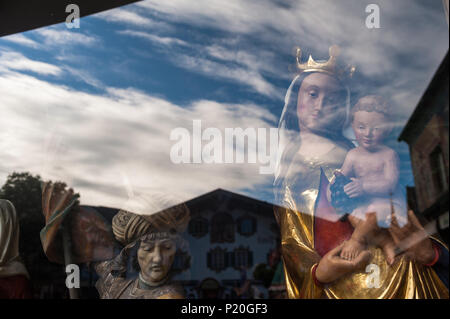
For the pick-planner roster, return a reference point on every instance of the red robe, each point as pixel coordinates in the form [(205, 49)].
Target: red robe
[(15, 287), (329, 232)]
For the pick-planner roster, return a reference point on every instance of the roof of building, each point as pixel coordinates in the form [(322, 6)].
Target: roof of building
[(220, 197), (425, 109), (214, 201)]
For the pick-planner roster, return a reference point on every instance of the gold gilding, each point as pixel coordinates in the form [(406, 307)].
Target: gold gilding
[(404, 279), (297, 189), (331, 66)]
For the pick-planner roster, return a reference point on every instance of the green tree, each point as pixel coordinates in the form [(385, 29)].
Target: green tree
[(24, 191)]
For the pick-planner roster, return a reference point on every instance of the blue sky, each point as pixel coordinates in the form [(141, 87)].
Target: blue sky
[(94, 106)]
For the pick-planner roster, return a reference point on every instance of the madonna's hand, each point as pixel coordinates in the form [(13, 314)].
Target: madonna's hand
[(332, 266)]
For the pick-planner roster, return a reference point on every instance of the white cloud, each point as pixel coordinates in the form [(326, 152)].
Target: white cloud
[(133, 19), (16, 61), (93, 141), (239, 66), (233, 16), (252, 61), (54, 37), (167, 41), (125, 16), (241, 75), (85, 76), (21, 39), (404, 52), (97, 139), (279, 26)]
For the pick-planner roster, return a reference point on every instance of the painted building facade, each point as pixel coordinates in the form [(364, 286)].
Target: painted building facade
[(228, 237), (426, 133)]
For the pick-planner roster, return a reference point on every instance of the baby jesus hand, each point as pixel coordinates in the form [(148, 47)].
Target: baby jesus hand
[(352, 248), (354, 188)]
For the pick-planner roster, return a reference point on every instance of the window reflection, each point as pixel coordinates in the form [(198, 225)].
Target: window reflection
[(105, 109)]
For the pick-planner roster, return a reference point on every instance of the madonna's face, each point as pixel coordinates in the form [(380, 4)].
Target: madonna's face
[(155, 258), (321, 104)]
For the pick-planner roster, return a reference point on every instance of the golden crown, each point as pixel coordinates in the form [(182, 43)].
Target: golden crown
[(330, 67)]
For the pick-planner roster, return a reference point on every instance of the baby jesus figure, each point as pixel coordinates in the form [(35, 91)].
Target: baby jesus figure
[(372, 171)]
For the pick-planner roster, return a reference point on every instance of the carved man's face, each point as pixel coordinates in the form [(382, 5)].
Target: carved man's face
[(155, 258), (321, 104)]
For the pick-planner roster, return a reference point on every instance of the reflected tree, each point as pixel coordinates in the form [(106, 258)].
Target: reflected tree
[(24, 190)]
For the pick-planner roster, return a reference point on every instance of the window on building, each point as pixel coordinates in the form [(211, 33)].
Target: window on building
[(181, 262), (246, 225), (198, 227), (230, 259), (243, 258), (217, 259), (222, 228), (438, 170)]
